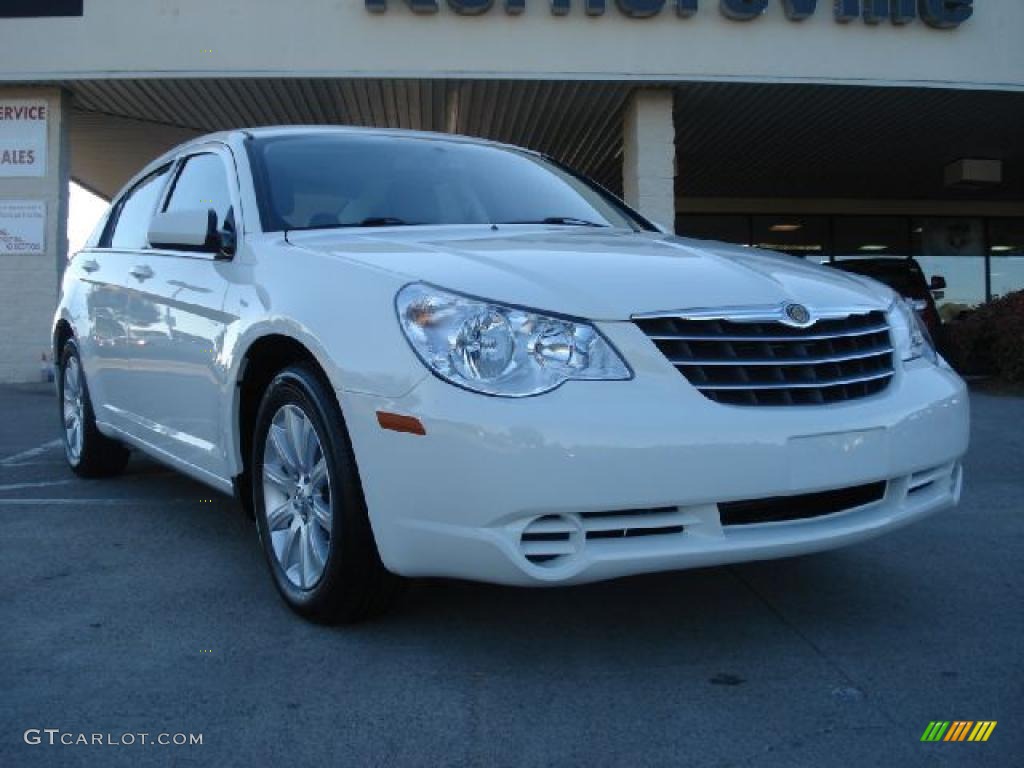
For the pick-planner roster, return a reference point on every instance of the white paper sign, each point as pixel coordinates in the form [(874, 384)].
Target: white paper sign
[(22, 226), (23, 124)]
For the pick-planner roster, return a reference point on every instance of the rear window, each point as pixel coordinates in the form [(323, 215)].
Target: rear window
[(131, 225)]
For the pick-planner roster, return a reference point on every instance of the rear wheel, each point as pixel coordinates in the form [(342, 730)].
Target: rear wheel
[(89, 453), (309, 505)]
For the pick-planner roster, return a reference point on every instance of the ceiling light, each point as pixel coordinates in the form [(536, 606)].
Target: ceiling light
[(790, 246), (785, 227), (1001, 248), (972, 173), (874, 248)]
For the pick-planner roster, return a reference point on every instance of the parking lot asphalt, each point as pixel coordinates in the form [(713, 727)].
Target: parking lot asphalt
[(141, 605)]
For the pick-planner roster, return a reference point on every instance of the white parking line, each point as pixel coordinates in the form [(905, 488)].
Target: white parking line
[(30, 454), (22, 486), (86, 501)]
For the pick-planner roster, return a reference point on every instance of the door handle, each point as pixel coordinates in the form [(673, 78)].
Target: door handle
[(90, 266), (141, 272)]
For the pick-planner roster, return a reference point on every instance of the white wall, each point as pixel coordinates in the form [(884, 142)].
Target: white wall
[(649, 155), (339, 37)]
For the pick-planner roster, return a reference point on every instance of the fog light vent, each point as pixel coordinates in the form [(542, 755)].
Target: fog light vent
[(922, 481), (550, 540)]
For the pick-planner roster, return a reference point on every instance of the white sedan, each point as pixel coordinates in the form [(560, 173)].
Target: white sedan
[(422, 355)]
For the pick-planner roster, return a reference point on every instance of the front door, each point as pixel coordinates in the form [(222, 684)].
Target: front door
[(177, 324)]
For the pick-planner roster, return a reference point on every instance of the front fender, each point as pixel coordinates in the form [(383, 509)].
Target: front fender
[(341, 312)]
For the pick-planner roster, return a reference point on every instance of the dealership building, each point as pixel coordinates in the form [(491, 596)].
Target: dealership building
[(829, 129)]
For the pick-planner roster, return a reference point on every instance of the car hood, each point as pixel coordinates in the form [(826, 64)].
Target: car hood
[(593, 273)]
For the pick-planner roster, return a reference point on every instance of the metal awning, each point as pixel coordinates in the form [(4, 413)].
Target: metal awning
[(735, 140)]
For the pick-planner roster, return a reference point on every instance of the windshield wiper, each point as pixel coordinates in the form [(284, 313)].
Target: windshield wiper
[(568, 221), (372, 221)]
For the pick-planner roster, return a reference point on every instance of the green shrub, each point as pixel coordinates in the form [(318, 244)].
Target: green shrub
[(989, 340)]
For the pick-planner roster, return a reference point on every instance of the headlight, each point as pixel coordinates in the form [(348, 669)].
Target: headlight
[(909, 334), (500, 350)]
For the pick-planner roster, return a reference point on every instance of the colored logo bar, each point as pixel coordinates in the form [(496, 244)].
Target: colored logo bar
[(958, 730)]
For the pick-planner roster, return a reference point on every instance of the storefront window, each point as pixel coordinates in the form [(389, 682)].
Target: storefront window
[(871, 236), (806, 236), (955, 249), (1006, 248), (728, 229)]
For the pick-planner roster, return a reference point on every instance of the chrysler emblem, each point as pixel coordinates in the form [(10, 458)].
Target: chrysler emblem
[(797, 314)]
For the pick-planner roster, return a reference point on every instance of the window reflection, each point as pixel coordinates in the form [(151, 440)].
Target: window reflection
[(1006, 247), (722, 227), (952, 247), (955, 249), (871, 236), (806, 236)]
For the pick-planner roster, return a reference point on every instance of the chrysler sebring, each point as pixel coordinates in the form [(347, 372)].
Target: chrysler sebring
[(411, 354)]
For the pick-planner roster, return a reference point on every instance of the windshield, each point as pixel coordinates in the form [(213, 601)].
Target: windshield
[(322, 181)]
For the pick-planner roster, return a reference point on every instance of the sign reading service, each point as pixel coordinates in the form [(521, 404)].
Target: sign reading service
[(23, 129)]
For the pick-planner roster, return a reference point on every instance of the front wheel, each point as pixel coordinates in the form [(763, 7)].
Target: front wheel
[(309, 505)]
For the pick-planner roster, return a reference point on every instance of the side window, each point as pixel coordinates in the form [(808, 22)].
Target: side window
[(202, 184), (131, 228)]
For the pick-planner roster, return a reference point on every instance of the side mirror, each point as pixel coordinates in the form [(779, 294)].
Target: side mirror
[(194, 230), (189, 230), (937, 283)]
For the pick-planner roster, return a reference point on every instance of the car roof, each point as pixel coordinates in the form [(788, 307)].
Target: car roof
[(275, 131), (237, 135)]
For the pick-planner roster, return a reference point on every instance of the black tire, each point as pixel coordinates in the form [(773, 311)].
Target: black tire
[(99, 456), (354, 584)]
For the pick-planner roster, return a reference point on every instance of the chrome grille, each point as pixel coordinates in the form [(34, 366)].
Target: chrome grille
[(750, 359)]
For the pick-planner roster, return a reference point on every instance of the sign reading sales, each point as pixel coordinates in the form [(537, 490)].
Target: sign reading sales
[(23, 124)]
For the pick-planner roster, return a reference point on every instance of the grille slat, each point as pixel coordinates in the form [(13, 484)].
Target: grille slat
[(835, 358), (548, 548), (722, 337), (767, 362), (620, 522), (820, 384)]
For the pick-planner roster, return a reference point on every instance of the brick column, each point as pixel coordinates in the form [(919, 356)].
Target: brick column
[(649, 156), (29, 281)]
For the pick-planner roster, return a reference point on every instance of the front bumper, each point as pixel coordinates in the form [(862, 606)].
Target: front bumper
[(457, 501)]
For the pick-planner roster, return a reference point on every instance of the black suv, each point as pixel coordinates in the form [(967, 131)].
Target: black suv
[(905, 276)]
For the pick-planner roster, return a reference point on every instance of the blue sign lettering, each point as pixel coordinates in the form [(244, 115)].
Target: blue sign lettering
[(941, 14), (798, 10), (743, 10)]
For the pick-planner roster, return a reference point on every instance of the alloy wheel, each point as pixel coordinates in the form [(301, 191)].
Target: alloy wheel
[(297, 496), (73, 409)]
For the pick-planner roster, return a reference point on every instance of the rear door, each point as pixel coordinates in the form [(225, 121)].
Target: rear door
[(109, 350)]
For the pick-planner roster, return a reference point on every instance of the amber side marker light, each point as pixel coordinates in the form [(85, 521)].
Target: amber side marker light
[(399, 423)]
